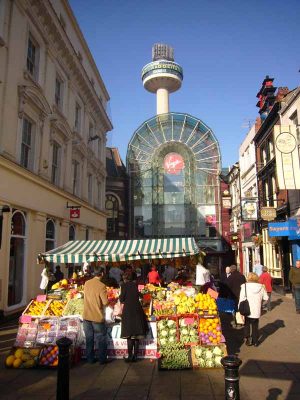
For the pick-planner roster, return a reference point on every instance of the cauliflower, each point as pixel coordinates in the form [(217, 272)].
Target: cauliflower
[(162, 342), (182, 322), (170, 323), (198, 352), (171, 339), (210, 363), (217, 351), (164, 333), (218, 361), (161, 324), (184, 331), (202, 363), (208, 354), (172, 332)]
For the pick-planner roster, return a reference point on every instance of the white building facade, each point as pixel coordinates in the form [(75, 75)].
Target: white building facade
[(248, 181), (53, 125)]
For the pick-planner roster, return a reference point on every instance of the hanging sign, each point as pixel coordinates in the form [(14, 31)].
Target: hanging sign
[(287, 157), (74, 213), (268, 213)]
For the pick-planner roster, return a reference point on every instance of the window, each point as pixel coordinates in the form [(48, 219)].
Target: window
[(100, 148), (32, 57), (59, 92), (55, 173), (27, 145), (271, 149), (50, 237), (91, 135), (87, 234), (112, 208), (72, 232), (77, 117), (17, 259), (75, 177), (90, 188)]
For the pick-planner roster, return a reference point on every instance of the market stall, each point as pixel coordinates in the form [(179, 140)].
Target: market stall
[(184, 326)]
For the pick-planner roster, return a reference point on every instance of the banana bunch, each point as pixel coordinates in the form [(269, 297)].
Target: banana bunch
[(36, 308)]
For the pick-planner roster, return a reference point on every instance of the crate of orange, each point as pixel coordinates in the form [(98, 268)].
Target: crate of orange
[(210, 331)]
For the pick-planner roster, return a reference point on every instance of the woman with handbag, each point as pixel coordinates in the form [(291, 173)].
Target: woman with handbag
[(252, 295)]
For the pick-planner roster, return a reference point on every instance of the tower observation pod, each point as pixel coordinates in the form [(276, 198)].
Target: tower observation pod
[(162, 76)]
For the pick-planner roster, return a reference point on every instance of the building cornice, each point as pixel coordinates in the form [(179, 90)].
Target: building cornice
[(30, 176)]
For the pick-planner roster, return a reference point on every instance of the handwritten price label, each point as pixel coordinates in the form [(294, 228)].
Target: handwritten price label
[(25, 319), (41, 298)]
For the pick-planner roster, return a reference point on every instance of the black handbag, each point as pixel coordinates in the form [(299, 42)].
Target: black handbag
[(244, 307)]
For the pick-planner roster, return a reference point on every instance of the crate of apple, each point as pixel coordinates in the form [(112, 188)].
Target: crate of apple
[(49, 356)]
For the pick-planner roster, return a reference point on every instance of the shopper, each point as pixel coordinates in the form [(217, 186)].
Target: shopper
[(202, 275), (58, 274), (234, 282), (255, 293), (169, 274), (257, 268), (266, 280), (224, 290), (116, 273), (153, 276), (45, 279), (95, 299), (134, 324), (294, 277)]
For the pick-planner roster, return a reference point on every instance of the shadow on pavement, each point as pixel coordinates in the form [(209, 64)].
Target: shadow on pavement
[(234, 337), (270, 329), (276, 303), (276, 371)]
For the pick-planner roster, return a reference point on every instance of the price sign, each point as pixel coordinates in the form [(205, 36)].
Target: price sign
[(41, 297), (25, 319)]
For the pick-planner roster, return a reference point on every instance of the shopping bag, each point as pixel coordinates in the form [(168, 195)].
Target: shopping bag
[(239, 318), (244, 308), (109, 315), (118, 309)]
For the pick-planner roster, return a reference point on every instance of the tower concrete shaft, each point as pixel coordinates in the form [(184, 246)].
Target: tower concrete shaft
[(162, 76)]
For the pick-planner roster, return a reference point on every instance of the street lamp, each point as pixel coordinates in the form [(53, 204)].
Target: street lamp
[(3, 209)]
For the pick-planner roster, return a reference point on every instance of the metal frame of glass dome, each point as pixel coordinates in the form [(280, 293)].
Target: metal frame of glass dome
[(152, 141)]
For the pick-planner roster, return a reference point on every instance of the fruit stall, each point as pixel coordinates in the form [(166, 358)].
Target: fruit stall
[(184, 325)]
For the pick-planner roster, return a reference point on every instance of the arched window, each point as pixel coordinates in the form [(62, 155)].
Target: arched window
[(72, 232), (17, 259), (112, 208)]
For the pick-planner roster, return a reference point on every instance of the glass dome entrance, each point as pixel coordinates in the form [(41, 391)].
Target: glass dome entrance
[(173, 161)]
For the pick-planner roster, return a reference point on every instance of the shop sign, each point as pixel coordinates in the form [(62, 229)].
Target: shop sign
[(249, 209), (226, 202), (173, 163), (75, 213), (287, 157), (268, 213), (290, 228)]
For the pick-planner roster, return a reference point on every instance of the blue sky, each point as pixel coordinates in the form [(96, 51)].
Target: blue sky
[(226, 47)]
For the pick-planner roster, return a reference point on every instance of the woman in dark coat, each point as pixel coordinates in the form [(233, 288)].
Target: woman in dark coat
[(134, 324)]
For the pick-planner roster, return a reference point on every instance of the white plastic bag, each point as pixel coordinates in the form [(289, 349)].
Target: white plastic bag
[(109, 315)]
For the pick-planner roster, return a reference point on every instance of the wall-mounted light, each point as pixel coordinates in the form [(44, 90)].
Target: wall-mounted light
[(91, 138)]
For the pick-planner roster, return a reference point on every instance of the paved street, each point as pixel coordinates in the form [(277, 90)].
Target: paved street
[(270, 371)]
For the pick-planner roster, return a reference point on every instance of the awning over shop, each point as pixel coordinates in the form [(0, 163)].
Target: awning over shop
[(80, 251)]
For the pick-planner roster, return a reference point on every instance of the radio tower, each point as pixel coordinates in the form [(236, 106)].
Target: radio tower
[(162, 76)]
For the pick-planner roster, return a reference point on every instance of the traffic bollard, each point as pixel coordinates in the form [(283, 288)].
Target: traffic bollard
[(231, 366), (63, 369)]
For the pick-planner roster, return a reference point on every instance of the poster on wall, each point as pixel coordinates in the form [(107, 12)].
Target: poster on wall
[(287, 157), (249, 209)]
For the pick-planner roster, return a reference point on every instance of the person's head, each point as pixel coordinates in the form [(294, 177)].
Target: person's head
[(99, 271), (228, 270), (257, 262), (138, 271), (297, 263), (233, 268), (153, 268), (252, 277), (264, 269), (128, 276), (57, 268)]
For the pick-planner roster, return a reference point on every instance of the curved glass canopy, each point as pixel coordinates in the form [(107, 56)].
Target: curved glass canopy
[(173, 161)]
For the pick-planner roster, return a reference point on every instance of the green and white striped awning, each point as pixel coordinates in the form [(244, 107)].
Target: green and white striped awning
[(80, 251)]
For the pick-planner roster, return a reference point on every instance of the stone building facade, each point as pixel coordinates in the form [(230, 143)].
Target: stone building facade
[(53, 125)]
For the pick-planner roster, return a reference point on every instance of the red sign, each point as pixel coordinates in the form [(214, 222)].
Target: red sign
[(75, 213), (173, 163)]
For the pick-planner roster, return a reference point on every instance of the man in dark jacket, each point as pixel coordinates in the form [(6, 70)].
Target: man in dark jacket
[(234, 282)]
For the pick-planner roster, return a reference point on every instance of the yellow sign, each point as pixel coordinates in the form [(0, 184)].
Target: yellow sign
[(287, 157), (268, 213)]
